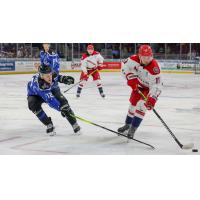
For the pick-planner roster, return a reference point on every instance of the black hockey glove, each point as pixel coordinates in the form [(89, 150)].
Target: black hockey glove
[(66, 80)]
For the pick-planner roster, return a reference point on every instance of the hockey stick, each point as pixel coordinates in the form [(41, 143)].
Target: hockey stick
[(92, 123), (185, 146), (79, 82)]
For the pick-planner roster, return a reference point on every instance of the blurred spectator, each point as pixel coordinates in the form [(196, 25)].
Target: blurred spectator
[(24, 51), (20, 52), (9, 50), (116, 51), (193, 54), (161, 50), (108, 50), (35, 52)]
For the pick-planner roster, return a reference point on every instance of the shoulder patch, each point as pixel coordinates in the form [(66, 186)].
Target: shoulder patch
[(153, 67), (156, 70)]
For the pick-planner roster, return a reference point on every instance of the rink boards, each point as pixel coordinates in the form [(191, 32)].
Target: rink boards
[(10, 66), (32, 72)]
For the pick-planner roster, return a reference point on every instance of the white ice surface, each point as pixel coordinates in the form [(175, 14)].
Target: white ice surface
[(22, 133)]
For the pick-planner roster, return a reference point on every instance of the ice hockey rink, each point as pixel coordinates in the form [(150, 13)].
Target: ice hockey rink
[(179, 105)]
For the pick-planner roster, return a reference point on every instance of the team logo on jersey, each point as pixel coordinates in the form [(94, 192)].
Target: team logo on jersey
[(156, 70)]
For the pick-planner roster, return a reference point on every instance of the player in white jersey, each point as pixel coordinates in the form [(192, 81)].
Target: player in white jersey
[(91, 64), (142, 73)]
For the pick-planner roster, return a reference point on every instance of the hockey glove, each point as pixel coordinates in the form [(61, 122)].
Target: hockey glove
[(133, 83), (150, 102), (84, 76), (67, 80), (99, 67)]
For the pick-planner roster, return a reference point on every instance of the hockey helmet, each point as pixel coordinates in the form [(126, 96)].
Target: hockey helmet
[(145, 50), (45, 69), (90, 46)]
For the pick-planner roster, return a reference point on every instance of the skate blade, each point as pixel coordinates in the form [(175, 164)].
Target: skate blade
[(129, 139), (78, 133), (52, 134), (123, 133)]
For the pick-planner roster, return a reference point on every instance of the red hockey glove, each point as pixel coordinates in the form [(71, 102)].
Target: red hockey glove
[(84, 76), (133, 83), (99, 67), (150, 103)]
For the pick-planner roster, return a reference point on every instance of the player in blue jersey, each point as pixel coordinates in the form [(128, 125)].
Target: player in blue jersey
[(49, 57), (40, 91)]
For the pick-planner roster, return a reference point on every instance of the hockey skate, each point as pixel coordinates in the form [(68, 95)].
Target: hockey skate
[(77, 95), (76, 129), (50, 130), (123, 128), (101, 92), (103, 95), (131, 132)]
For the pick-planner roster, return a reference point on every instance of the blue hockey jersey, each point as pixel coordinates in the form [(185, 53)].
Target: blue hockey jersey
[(39, 87), (51, 59)]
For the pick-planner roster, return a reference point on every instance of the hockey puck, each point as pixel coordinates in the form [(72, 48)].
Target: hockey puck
[(194, 150)]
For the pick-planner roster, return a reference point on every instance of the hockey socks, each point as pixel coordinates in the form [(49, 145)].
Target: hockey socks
[(134, 125), (78, 93), (136, 122), (41, 115), (128, 119)]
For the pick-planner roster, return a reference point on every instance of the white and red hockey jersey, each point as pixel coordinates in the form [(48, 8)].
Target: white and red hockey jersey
[(148, 76), (92, 61)]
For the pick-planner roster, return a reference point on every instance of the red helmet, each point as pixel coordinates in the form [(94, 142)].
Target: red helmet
[(145, 50), (90, 46)]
